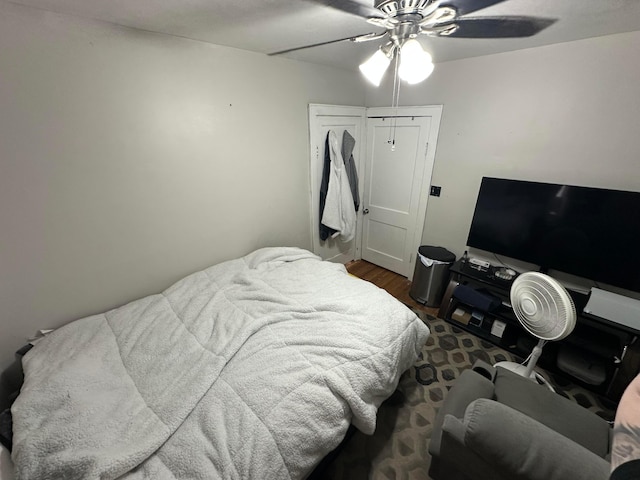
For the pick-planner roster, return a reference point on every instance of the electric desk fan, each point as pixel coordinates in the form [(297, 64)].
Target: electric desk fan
[(545, 309)]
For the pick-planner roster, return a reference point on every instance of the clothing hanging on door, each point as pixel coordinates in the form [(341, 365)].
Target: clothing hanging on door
[(325, 232), (348, 142), (339, 213)]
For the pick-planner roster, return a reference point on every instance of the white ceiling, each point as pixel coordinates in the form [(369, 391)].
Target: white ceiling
[(268, 26)]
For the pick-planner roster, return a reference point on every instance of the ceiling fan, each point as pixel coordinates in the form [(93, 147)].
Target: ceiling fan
[(404, 20)]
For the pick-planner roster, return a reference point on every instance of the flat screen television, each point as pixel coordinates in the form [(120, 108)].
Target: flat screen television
[(588, 232)]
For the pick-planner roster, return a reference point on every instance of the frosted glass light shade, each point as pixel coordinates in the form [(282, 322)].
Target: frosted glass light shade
[(415, 64), (374, 68)]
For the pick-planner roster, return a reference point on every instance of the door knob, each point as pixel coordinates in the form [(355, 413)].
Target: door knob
[(365, 211)]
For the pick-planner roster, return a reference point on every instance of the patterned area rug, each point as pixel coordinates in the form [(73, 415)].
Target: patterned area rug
[(398, 450)]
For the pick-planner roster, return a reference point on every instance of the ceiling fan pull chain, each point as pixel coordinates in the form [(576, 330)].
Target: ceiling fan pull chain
[(393, 94), (395, 118), (394, 103)]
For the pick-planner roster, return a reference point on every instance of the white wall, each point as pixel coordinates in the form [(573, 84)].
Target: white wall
[(566, 113), (129, 159)]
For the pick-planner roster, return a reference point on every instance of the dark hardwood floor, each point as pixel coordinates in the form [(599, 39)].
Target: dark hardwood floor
[(397, 285)]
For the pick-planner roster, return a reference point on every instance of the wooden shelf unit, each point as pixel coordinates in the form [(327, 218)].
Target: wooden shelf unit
[(595, 340)]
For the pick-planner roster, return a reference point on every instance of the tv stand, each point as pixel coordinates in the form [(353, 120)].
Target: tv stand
[(598, 355)]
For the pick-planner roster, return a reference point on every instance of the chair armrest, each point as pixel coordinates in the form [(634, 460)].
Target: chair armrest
[(468, 387), (556, 412), (519, 447), (6, 466)]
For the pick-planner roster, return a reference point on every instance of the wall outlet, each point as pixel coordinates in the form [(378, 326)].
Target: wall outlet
[(435, 191)]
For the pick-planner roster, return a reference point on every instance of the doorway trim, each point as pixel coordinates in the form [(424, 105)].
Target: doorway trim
[(433, 111)]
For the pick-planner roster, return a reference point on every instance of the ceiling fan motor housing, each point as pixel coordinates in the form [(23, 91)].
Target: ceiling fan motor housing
[(394, 8), (403, 31)]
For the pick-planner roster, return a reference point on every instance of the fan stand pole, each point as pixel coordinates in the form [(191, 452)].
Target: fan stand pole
[(531, 373), (535, 355)]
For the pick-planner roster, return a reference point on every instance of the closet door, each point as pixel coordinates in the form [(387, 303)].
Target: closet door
[(323, 118), (400, 156)]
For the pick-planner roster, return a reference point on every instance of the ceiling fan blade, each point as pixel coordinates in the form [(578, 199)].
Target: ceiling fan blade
[(358, 38), (464, 7), (367, 37), (354, 7), (499, 27)]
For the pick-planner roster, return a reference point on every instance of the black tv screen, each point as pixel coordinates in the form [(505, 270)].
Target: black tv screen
[(588, 232)]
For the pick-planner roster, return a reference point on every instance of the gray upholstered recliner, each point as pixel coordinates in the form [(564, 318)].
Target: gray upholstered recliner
[(496, 425)]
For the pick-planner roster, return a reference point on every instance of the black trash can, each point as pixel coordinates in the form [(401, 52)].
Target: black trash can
[(431, 274)]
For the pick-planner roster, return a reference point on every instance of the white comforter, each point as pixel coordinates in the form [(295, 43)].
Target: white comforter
[(253, 368)]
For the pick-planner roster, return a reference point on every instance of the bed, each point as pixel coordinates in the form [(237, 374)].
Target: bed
[(252, 368)]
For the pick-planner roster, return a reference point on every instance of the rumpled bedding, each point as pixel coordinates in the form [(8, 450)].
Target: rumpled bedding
[(253, 368)]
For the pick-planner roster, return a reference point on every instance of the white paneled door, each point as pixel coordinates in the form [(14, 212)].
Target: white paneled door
[(400, 155)]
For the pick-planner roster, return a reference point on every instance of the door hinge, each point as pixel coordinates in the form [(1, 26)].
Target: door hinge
[(426, 149)]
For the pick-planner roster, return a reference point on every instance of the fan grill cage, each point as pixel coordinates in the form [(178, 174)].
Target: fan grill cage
[(543, 306)]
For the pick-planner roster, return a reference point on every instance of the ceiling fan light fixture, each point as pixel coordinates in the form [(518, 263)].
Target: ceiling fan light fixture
[(415, 64), (375, 67)]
